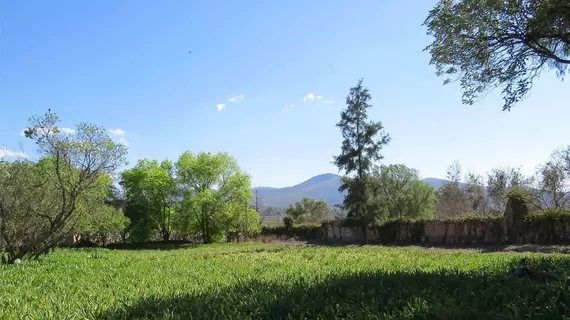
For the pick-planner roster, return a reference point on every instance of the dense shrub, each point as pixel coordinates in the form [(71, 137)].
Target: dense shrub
[(305, 231)]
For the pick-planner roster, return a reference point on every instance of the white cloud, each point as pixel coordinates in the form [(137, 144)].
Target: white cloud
[(330, 101), (123, 141), (236, 98), (117, 132), (309, 97), (66, 130), (4, 152), (220, 106), (320, 97)]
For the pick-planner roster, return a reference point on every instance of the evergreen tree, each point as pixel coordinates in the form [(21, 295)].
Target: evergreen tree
[(362, 142)]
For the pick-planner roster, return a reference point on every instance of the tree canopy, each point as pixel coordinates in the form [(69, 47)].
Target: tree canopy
[(498, 44), (399, 193), (42, 202), (309, 211)]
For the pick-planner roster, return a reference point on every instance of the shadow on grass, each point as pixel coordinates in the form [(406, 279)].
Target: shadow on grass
[(421, 295)]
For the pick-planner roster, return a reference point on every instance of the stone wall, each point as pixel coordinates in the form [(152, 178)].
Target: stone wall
[(516, 226), (466, 232)]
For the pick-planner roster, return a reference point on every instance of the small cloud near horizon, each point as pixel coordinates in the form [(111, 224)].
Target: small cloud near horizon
[(117, 132), (220, 106), (312, 97)]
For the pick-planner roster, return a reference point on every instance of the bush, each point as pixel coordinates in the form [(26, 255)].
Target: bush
[(305, 231)]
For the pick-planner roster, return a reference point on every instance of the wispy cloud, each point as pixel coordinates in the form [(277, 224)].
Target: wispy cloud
[(221, 106), (313, 97), (123, 141), (117, 132), (236, 98), (4, 152)]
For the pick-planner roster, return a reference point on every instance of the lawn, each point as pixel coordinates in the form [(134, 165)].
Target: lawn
[(262, 281)]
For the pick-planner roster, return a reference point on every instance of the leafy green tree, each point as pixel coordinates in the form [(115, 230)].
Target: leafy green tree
[(309, 211), (151, 194), (39, 200), (500, 181), (498, 44), (216, 194), (362, 142), (399, 193)]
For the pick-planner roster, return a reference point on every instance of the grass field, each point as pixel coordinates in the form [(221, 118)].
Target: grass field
[(258, 281)]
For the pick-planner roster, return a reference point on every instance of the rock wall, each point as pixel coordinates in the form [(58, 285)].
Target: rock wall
[(466, 232)]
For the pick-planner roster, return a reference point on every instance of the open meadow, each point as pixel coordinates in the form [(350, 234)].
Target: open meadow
[(263, 281)]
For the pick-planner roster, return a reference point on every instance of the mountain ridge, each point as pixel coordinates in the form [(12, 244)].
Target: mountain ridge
[(323, 186)]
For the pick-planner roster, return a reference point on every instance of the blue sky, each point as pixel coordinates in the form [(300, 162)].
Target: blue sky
[(125, 65)]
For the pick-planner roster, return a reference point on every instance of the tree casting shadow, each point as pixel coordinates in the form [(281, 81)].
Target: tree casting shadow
[(444, 294)]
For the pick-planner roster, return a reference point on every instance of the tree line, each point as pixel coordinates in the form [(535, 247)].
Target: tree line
[(73, 188)]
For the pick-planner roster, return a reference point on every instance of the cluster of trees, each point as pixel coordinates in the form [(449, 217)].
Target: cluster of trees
[(376, 193), (547, 189), (202, 195), (70, 190), (380, 193), (309, 211)]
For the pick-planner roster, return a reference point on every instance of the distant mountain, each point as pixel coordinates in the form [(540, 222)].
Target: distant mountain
[(324, 186)]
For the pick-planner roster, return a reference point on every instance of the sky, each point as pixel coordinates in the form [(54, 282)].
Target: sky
[(265, 81)]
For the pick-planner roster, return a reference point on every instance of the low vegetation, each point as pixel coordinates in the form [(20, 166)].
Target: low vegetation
[(256, 281)]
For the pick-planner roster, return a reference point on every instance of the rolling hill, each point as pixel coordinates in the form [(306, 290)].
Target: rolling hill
[(324, 186)]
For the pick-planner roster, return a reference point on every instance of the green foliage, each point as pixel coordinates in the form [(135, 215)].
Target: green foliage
[(304, 230), (500, 181), (216, 196), (42, 202), (545, 227), (288, 223), (517, 193), (98, 219), (309, 211), (398, 192), (259, 281), (498, 44), (150, 191), (362, 142)]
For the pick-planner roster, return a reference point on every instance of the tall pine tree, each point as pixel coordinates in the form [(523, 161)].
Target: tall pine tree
[(362, 142)]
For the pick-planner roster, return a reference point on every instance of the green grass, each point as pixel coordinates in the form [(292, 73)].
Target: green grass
[(257, 281)]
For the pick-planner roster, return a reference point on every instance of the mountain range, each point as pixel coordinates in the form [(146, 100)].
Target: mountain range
[(324, 186)]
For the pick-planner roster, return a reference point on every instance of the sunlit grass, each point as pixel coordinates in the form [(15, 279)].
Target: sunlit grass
[(259, 281)]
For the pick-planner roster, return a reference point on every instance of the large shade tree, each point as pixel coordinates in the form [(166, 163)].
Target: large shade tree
[(505, 44)]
